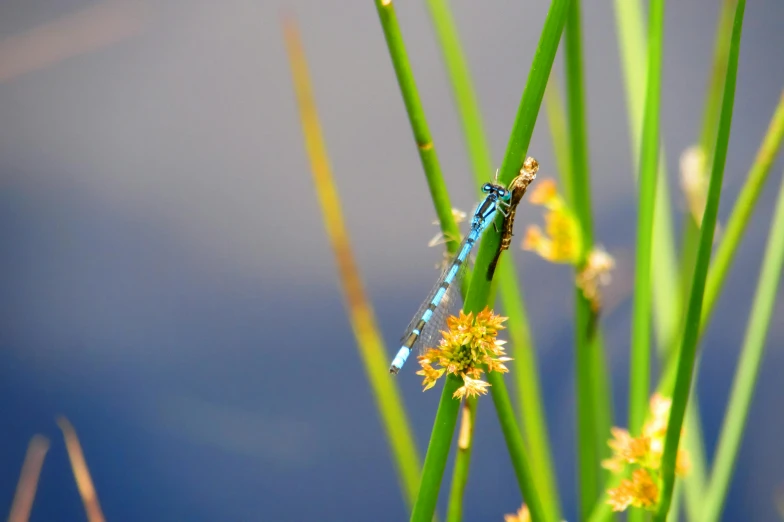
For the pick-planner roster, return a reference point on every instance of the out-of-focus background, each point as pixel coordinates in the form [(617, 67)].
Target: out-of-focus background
[(167, 285)]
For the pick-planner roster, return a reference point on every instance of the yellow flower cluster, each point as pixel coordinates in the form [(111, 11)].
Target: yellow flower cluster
[(562, 242), (644, 453), (595, 273), (468, 348)]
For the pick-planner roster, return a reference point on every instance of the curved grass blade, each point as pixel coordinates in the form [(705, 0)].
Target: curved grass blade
[(691, 333), (593, 417), (418, 121), (639, 376), (741, 212), (369, 342), (664, 269), (747, 368)]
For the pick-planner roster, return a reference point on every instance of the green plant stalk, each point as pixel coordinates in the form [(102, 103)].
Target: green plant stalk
[(523, 126), (556, 119), (748, 368), (416, 116), (438, 448), (601, 509), (741, 212), (479, 288), (675, 507), (690, 240), (707, 136), (526, 373), (666, 292), (707, 139), (649, 153), (691, 331), (462, 88), (639, 371), (694, 482), (602, 396), (526, 376), (587, 360), (465, 443), (587, 443), (631, 31), (437, 452), (479, 156), (598, 377), (601, 402), (736, 227), (369, 342), (721, 51), (517, 451), (639, 376), (578, 140)]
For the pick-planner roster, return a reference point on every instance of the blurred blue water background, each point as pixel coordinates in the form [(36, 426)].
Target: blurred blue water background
[(167, 285)]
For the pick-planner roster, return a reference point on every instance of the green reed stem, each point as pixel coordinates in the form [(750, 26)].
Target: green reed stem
[(416, 116), (437, 452), (602, 396), (725, 255), (639, 377), (736, 227), (588, 349), (640, 360), (601, 510), (526, 377), (556, 119), (691, 332), (741, 212), (721, 52), (518, 453), (542, 64), (694, 482), (522, 349), (598, 377), (578, 135), (664, 270), (446, 416), (748, 367), (479, 156), (587, 443), (479, 288), (462, 89)]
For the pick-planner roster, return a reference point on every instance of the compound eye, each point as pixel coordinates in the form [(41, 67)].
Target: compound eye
[(487, 187)]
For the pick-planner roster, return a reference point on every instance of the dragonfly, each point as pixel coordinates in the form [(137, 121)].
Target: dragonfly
[(430, 317), (517, 188)]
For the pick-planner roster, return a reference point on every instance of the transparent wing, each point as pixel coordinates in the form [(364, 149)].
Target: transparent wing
[(450, 303)]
